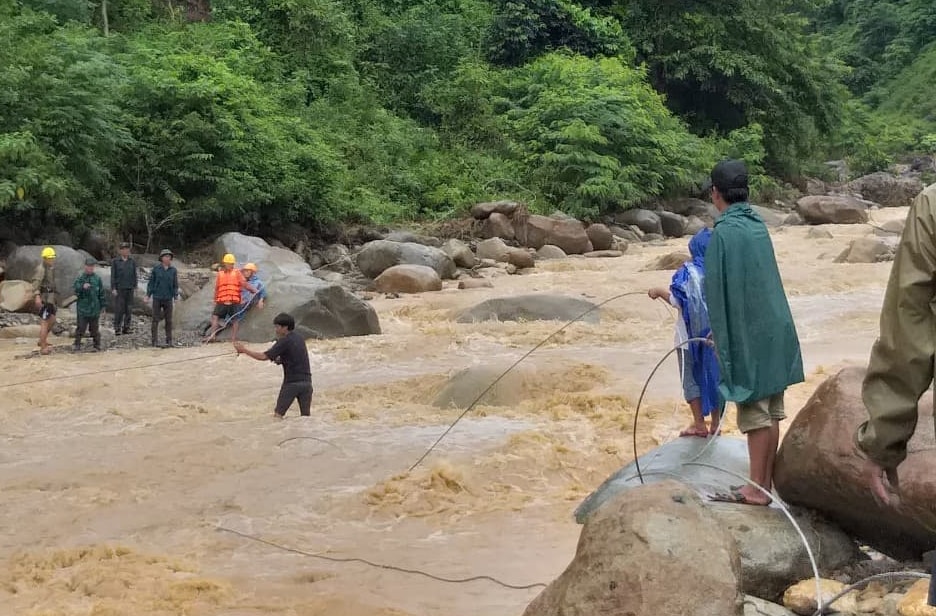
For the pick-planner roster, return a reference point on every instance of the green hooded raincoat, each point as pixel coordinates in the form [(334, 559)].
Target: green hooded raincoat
[(755, 338)]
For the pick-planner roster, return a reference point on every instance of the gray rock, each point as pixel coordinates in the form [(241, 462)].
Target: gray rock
[(653, 237), (550, 252), (793, 220), (694, 224), (466, 385), (408, 279), (481, 211), (532, 307), (772, 554), (16, 295), (754, 606), (497, 225), (604, 254), (771, 217), (569, 235), (494, 249), (459, 252), (673, 225), (834, 209), (655, 552), (270, 260), (645, 220), (669, 261), (377, 256), (886, 189), (520, 258), (533, 231), (890, 228), (600, 236), (408, 237), (475, 283), (818, 467), (869, 250)]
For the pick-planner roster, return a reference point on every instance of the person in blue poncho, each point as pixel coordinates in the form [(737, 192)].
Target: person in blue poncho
[(698, 364)]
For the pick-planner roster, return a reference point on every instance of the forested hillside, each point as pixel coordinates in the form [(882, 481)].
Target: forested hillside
[(185, 118)]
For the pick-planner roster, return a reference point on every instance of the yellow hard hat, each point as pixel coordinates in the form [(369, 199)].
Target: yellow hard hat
[(251, 266), (229, 258), (48, 252)]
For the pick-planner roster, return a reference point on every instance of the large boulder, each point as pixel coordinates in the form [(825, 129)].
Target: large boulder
[(379, 255), (520, 258), (459, 252), (771, 217), (655, 551), (16, 295), (533, 230), (886, 189), (466, 385), (569, 235), (645, 220), (549, 251), (497, 225), (408, 237), (408, 279), (481, 211), (673, 225), (869, 250), (321, 309), (600, 236), (532, 307), (270, 260), (818, 467), (834, 209), (772, 553), (493, 248), (26, 264)]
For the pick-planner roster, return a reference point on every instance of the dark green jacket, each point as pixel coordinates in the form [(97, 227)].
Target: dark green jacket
[(755, 338), (91, 300), (163, 283)]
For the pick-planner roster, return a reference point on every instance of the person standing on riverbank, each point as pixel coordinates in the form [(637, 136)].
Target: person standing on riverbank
[(123, 286), (91, 301), (163, 287), (44, 298), (698, 366), (752, 327)]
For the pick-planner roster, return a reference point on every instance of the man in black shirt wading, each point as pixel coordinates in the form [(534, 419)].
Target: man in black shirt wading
[(290, 352)]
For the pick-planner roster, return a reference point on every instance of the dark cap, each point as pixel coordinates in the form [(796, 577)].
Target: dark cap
[(90, 261), (125, 244), (164, 252), (726, 175)]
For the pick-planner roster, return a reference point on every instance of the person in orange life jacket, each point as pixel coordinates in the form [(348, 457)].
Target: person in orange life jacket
[(228, 287)]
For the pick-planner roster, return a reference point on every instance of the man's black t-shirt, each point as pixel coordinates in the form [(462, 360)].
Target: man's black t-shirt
[(290, 351)]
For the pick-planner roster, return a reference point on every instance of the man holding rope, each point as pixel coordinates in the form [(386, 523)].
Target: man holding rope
[(752, 327)]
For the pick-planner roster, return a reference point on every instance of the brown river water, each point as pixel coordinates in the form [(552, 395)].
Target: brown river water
[(113, 485)]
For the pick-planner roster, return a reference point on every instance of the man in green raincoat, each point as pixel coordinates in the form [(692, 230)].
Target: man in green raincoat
[(755, 338), (91, 301)]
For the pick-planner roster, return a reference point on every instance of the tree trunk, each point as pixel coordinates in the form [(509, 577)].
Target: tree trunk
[(104, 17), (198, 10)]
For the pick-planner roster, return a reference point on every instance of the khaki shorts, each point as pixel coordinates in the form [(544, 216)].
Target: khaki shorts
[(760, 413)]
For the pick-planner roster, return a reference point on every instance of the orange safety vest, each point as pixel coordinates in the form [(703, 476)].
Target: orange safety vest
[(228, 286)]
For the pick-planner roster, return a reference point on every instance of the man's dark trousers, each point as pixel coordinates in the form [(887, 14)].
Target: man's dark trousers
[(162, 309), (123, 303)]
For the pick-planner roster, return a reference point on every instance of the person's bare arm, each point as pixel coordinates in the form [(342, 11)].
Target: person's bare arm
[(258, 355), (659, 292)]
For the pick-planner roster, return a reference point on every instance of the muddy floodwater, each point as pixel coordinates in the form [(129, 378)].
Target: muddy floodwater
[(114, 485)]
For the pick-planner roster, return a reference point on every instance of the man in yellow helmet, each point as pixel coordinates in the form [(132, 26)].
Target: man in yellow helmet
[(44, 284), (228, 288)]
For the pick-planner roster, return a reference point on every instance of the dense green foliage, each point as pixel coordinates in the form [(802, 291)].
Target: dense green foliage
[(124, 115)]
